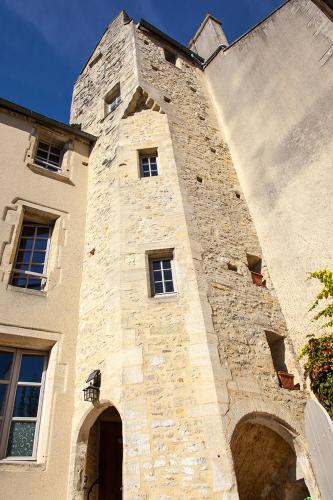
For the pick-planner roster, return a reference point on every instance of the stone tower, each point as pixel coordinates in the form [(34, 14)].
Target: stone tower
[(188, 369)]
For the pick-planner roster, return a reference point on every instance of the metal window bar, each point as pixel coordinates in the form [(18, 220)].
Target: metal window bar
[(8, 417), (110, 106), (148, 166), (48, 156), (162, 276), (31, 258)]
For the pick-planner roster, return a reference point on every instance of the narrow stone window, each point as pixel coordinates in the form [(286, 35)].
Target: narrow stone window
[(49, 156), (95, 60), (161, 273), (232, 267), (254, 265), (148, 162), (277, 348), (170, 56), (29, 270), (112, 99), (22, 376)]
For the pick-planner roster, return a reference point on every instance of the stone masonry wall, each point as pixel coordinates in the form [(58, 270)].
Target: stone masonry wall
[(176, 366), (220, 222), (153, 354)]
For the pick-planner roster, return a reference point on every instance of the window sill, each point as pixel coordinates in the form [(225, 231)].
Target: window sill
[(168, 297), (24, 465), (39, 293), (48, 173)]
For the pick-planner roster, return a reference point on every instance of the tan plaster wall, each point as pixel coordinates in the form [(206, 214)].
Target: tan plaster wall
[(36, 320), (273, 94)]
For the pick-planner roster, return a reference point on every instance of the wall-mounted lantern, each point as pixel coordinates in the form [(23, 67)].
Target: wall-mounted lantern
[(91, 392)]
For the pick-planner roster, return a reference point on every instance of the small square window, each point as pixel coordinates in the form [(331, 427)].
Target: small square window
[(162, 275), (170, 56), (29, 270), (22, 376), (148, 163), (112, 99), (49, 156)]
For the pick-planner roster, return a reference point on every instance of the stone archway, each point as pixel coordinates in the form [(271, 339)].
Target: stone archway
[(265, 462), (99, 456)]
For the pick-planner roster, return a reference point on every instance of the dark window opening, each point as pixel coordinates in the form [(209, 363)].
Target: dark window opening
[(232, 267), (277, 348), (170, 56)]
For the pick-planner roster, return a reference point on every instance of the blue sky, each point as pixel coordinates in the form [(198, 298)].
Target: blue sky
[(45, 43)]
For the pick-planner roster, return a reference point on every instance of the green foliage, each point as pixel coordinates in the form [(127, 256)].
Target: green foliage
[(319, 351)]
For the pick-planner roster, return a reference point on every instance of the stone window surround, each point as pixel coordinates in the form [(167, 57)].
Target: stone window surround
[(148, 153), (42, 134), (30, 211), (48, 342), (151, 255)]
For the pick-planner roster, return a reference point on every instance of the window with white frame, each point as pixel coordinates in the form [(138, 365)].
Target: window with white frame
[(162, 275), (148, 163), (29, 270), (112, 99), (22, 378), (49, 156)]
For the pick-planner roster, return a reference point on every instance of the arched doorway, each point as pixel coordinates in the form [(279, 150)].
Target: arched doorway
[(103, 465), (265, 464)]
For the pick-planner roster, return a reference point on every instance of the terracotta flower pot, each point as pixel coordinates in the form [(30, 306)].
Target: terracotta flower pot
[(257, 279), (286, 380)]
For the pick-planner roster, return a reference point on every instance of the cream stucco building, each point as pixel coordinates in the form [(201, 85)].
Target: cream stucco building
[(135, 244)]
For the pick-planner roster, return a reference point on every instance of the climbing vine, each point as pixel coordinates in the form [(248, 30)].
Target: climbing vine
[(319, 351)]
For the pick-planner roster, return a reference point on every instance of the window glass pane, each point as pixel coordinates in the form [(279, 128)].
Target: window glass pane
[(23, 267), (157, 275), (19, 281), (166, 264), (34, 283), (31, 369), (43, 145), (54, 159), (156, 265), (55, 151), (167, 275), (26, 401), (21, 439), (38, 257), (144, 161), (42, 154), (37, 269), (6, 359), (169, 286), (158, 288), (23, 256), (41, 244), (28, 231), (154, 172), (26, 243), (43, 232), (3, 392)]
